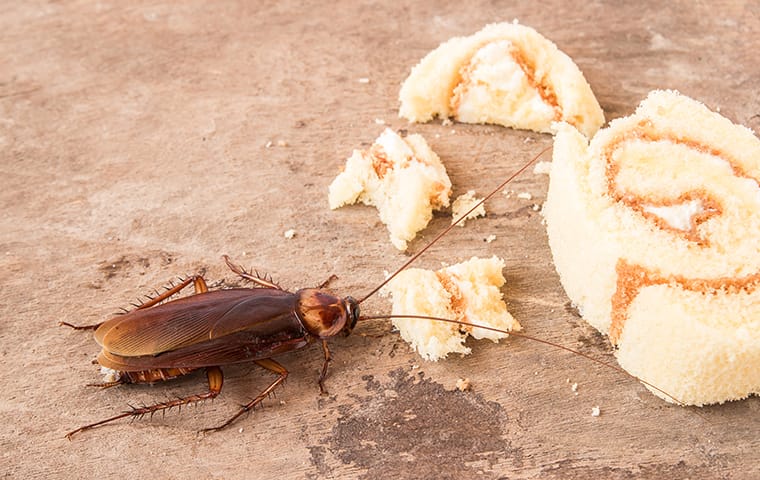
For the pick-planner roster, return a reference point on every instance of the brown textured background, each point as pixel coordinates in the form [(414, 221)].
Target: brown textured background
[(133, 148)]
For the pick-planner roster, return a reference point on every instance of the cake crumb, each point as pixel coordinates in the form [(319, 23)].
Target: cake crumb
[(379, 121), (542, 168), (574, 387), (464, 203), (364, 80), (268, 144), (110, 375), (464, 385), (490, 238), (596, 411), (446, 122), (524, 196), (290, 233)]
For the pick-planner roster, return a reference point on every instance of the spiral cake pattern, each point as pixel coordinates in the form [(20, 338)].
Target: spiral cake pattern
[(506, 74), (654, 228)]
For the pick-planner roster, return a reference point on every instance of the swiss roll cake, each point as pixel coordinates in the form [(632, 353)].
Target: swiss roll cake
[(654, 228), (506, 74)]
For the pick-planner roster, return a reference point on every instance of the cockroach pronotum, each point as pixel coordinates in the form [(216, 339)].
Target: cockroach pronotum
[(164, 339)]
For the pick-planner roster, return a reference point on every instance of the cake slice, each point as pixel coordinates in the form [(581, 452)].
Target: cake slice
[(468, 291), (506, 74), (402, 177), (654, 229)]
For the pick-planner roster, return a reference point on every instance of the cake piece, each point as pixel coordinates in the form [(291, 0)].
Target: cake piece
[(654, 230), (468, 291), (506, 74), (402, 177)]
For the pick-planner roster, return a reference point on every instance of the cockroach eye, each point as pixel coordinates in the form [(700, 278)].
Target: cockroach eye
[(353, 311)]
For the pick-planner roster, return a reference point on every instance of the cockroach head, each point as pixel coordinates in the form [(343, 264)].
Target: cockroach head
[(325, 315)]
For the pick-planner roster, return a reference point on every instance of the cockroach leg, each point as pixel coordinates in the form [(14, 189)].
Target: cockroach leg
[(198, 283), (322, 375), (104, 385), (273, 367), (327, 282), (215, 381), (240, 271), (94, 326)]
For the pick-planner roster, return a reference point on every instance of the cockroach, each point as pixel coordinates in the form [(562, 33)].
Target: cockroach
[(164, 339)]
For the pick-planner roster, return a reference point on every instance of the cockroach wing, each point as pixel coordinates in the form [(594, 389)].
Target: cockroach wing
[(192, 320), (236, 348)]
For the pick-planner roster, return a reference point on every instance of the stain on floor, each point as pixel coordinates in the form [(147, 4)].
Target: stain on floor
[(409, 425)]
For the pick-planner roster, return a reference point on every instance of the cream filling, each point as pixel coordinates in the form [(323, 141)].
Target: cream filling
[(496, 89), (677, 216)]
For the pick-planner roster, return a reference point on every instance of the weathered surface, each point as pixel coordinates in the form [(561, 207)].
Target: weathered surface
[(133, 148)]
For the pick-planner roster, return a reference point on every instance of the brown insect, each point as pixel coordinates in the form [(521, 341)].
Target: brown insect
[(161, 341)]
